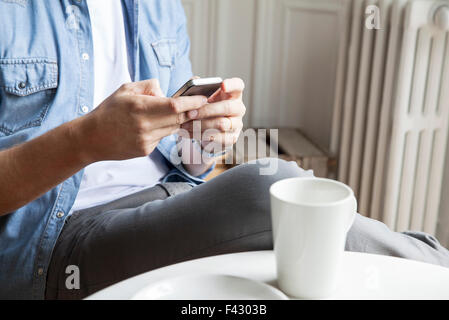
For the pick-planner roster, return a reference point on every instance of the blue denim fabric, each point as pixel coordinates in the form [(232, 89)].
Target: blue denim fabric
[(44, 82)]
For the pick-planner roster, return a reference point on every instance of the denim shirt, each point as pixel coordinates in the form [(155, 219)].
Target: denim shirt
[(46, 79)]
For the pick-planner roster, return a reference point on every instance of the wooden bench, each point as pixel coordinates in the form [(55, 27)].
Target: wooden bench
[(291, 145)]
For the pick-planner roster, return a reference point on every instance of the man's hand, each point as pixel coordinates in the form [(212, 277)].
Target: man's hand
[(132, 121), (221, 119)]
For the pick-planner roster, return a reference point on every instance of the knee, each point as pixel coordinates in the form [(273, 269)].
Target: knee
[(246, 188), (248, 185), (269, 170), (261, 174)]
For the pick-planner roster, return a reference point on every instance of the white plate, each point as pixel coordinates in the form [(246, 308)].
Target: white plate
[(209, 287)]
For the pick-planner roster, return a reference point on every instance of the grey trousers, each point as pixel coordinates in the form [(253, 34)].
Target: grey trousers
[(174, 222)]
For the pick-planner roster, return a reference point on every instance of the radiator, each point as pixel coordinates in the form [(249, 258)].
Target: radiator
[(391, 111)]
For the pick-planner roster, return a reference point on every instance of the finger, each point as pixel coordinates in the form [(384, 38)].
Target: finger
[(217, 96), (186, 103), (159, 105), (230, 89), (163, 121), (230, 108), (163, 112), (223, 124), (233, 85)]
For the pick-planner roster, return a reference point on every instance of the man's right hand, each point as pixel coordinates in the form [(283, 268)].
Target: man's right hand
[(131, 122)]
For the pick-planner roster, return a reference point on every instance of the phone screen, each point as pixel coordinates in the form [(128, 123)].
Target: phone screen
[(204, 90), (201, 86)]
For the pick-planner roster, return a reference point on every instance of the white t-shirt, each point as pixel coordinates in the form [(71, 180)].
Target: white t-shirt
[(105, 181)]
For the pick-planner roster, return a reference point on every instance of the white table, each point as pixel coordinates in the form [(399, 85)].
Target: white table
[(364, 276)]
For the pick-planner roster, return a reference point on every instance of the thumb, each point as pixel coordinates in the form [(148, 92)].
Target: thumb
[(150, 87)]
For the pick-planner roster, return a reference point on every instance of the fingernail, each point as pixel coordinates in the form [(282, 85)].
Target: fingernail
[(192, 114)]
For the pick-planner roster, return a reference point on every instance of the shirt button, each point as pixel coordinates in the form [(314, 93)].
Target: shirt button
[(22, 85), (40, 271), (60, 214), (85, 109), (85, 56)]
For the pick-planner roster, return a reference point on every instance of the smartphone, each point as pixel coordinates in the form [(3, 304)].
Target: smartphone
[(199, 87)]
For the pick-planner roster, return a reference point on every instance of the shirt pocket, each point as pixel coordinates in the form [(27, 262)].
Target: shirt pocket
[(27, 89), (166, 51)]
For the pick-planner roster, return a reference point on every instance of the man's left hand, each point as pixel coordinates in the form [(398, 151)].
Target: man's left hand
[(220, 119)]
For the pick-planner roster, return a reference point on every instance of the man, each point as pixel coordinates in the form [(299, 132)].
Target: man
[(100, 189)]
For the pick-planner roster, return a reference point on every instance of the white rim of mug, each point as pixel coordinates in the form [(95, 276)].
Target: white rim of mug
[(351, 193)]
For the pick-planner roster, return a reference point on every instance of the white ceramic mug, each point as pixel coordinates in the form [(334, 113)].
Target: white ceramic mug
[(311, 217)]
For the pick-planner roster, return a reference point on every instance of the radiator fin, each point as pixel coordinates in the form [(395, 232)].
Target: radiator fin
[(395, 110)]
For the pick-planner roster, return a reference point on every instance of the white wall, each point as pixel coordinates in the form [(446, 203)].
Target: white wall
[(285, 50), (222, 37)]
